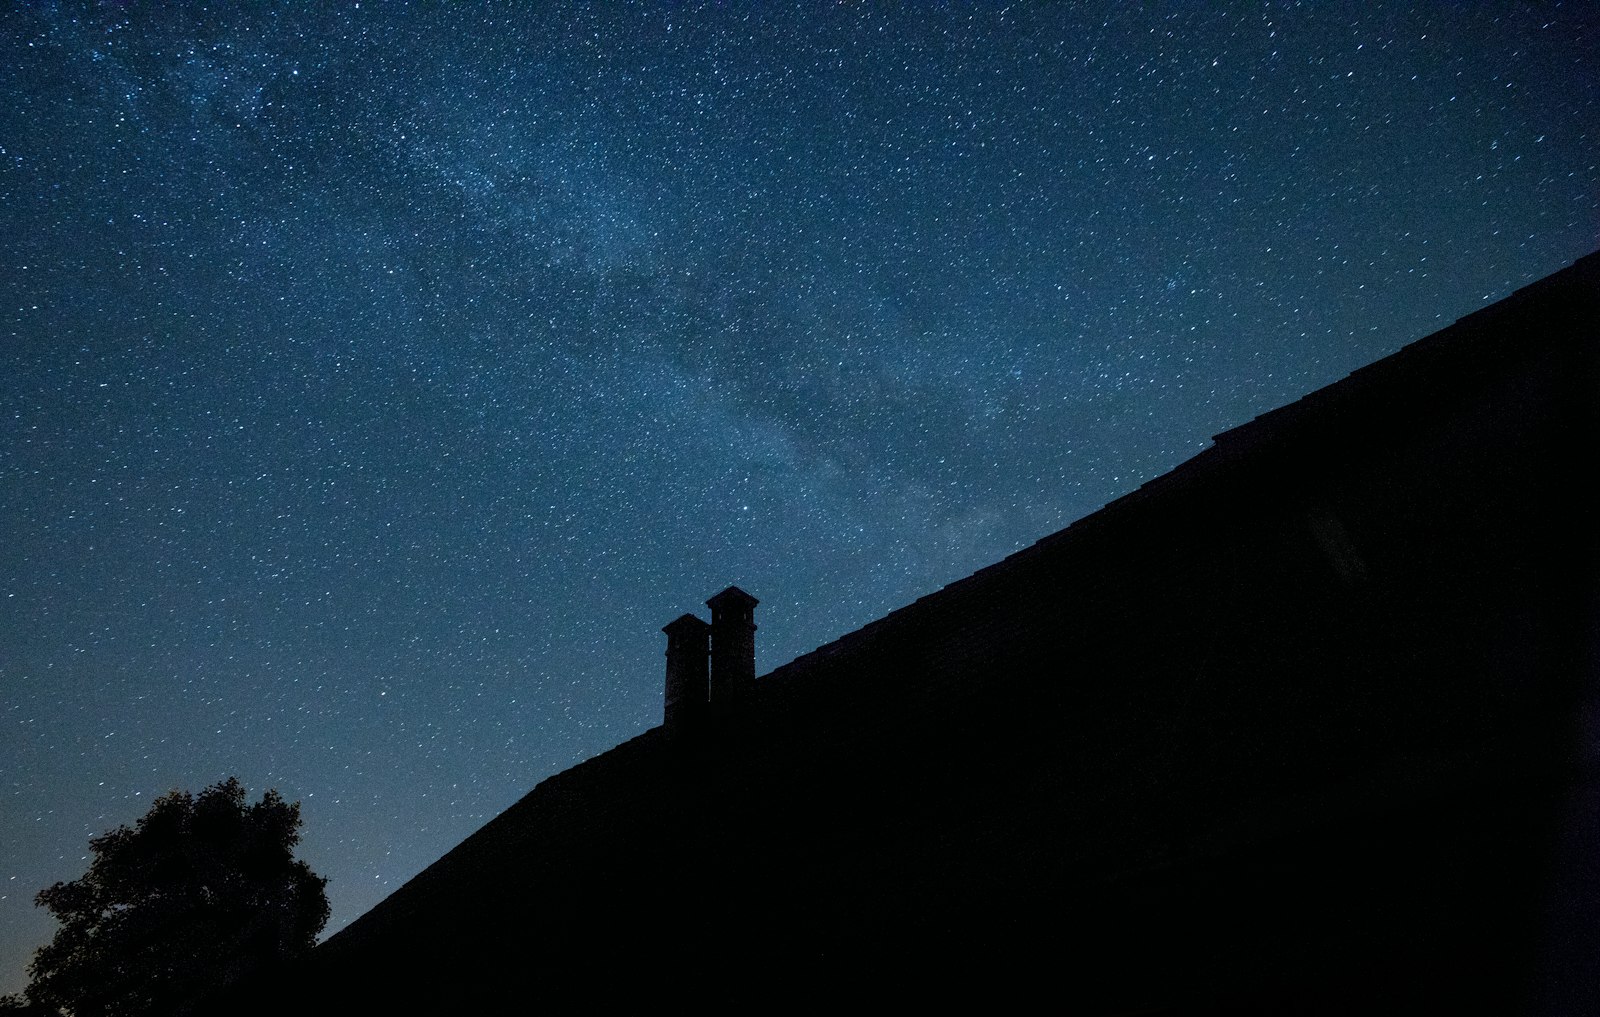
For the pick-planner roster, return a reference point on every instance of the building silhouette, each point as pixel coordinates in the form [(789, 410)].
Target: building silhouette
[(1308, 724)]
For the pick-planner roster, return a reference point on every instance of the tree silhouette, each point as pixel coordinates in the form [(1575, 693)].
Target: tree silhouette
[(204, 889)]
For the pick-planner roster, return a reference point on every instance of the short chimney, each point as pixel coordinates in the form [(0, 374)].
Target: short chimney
[(733, 645), (688, 645)]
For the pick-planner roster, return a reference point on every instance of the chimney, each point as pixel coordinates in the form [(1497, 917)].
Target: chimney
[(688, 644), (733, 645)]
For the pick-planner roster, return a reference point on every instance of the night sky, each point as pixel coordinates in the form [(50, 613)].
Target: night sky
[(375, 383)]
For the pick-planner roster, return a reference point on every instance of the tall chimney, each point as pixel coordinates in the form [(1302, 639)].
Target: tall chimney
[(733, 645), (688, 644)]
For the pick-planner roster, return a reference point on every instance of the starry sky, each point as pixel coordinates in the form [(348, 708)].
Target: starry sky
[(376, 381)]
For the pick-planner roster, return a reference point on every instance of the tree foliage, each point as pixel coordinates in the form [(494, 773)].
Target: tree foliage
[(202, 890)]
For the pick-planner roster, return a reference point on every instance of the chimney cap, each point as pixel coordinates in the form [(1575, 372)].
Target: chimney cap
[(732, 597), (684, 623)]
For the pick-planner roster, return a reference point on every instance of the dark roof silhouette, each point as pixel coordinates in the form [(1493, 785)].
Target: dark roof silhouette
[(1306, 724)]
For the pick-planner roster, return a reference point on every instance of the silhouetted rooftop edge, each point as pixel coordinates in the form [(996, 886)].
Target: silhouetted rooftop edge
[(1262, 430)]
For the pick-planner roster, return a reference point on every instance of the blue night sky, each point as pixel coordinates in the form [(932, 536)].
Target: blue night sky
[(376, 381)]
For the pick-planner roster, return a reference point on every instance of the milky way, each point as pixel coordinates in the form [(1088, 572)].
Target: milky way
[(375, 383)]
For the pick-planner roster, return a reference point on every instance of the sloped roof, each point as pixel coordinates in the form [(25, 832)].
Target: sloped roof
[(1166, 677)]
